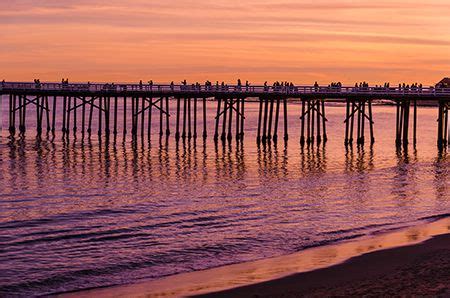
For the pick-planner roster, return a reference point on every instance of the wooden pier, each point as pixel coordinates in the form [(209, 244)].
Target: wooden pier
[(100, 103)]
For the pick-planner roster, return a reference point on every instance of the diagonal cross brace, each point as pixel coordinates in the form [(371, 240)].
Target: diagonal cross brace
[(313, 107), (91, 102), (355, 108), (153, 103), (232, 106), (32, 101)]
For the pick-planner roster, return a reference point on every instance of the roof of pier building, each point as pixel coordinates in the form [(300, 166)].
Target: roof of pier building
[(444, 83)]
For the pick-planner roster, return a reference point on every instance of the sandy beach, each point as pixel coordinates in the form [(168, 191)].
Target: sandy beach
[(414, 260), (418, 270)]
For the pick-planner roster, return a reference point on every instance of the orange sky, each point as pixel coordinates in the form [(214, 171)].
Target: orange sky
[(256, 40)]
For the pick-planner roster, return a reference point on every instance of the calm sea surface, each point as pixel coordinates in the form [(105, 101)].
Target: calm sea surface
[(84, 214)]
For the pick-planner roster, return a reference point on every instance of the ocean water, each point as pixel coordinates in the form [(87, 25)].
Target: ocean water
[(82, 214)]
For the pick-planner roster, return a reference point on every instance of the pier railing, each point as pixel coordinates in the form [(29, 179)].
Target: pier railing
[(220, 89)]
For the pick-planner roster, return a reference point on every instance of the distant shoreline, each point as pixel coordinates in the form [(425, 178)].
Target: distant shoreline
[(325, 268)]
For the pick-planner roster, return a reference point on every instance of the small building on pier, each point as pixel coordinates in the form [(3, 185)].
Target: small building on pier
[(444, 83)]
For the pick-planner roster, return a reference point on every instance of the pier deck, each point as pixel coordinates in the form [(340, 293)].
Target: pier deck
[(104, 98)]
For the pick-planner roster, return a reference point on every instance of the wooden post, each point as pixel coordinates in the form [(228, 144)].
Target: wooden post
[(238, 111), (445, 124), (38, 115), (216, 130), (189, 119), (372, 137), (64, 115), (161, 106), (324, 120), (269, 129), (308, 122), (406, 122), (277, 116), (74, 115), (69, 104), (100, 116), (397, 125), (286, 135), (313, 110), (83, 116), (415, 123), (47, 114), (440, 141), (242, 119), (149, 123), (12, 117), (115, 116), (402, 106), (184, 118), (195, 117), (358, 139), (258, 137), (124, 117), (54, 115), (133, 112), (19, 108), (91, 111), (230, 120), (143, 117), (319, 138), (20, 114), (363, 121), (266, 111), (177, 132), (108, 116), (347, 122), (10, 111), (352, 123), (41, 111), (205, 134), (167, 117), (24, 118), (224, 125), (302, 133)]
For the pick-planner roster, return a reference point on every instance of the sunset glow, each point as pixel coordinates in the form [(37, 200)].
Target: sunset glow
[(300, 41)]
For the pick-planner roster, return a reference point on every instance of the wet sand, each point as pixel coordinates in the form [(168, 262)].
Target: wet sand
[(417, 270), (414, 260)]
